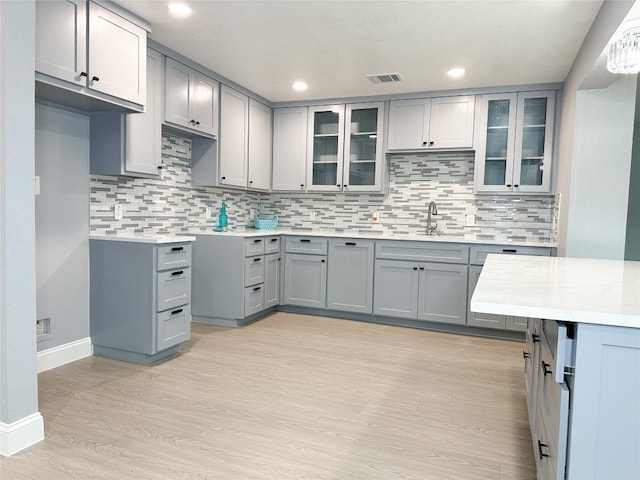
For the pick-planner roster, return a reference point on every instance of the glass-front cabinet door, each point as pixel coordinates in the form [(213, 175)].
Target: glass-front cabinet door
[(326, 138), (514, 151), (345, 153), (363, 147)]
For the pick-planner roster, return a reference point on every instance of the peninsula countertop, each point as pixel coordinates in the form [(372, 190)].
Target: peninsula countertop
[(605, 292)]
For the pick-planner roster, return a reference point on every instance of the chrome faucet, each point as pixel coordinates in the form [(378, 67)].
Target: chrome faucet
[(432, 210)]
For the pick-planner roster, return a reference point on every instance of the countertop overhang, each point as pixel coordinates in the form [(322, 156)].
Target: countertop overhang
[(604, 292), (159, 238)]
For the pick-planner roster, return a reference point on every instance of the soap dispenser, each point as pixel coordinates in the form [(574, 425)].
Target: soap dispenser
[(223, 220)]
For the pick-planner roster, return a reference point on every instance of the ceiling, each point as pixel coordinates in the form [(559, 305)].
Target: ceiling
[(267, 45)]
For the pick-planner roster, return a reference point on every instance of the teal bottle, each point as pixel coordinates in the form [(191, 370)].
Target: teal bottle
[(223, 220)]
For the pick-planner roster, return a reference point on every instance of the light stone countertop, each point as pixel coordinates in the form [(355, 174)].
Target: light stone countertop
[(144, 238), (251, 232), (604, 292)]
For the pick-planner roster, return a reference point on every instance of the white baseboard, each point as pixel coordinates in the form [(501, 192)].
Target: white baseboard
[(67, 353), (21, 434)]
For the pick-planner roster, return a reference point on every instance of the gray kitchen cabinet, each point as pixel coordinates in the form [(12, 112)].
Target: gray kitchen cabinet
[(130, 144), (289, 149), (350, 275), (235, 279), (344, 148), (515, 140), (140, 299), (478, 255), (190, 100), (99, 51), (234, 131), (431, 123), (433, 292), (260, 145), (305, 272)]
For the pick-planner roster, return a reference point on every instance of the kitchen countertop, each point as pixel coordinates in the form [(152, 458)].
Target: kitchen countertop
[(251, 232), (144, 238), (604, 292)]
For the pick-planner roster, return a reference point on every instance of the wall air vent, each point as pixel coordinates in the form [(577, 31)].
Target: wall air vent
[(384, 77)]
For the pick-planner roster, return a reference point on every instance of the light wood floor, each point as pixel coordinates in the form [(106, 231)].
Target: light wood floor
[(290, 397)]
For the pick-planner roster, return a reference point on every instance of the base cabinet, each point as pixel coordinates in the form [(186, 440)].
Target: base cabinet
[(140, 299), (235, 278), (350, 275), (305, 272)]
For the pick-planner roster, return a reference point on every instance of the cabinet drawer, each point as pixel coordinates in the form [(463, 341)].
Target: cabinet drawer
[(174, 289), (253, 299), (174, 327), (422, 251), (253, 246), (177, 255), (253, 270), (556, 336), (272, 245), (478, 253), (311, 245)]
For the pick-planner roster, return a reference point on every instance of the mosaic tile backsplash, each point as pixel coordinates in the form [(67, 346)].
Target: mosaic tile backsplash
[(172, 205)]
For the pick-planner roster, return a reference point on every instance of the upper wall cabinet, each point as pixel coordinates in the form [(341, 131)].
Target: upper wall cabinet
[(344, 148), (260, 145), (130, 144), (514, 148), (84, 47), (431, 123), (191, 100), (234, 133), (289, 149)]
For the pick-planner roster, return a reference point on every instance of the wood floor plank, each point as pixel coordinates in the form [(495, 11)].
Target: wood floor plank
[(290, 397)]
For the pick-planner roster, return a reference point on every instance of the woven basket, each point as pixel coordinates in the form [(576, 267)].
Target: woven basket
[(262, 224)]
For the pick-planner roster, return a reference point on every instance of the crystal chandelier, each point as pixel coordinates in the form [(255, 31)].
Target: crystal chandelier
[(624, 52)]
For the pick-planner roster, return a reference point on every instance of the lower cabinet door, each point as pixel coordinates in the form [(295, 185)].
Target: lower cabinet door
[(271, 280), (396, 289), (253, 299), (350, 275), (173, 327), (442, 293), (305, 281), (516, 324), (486, 320)]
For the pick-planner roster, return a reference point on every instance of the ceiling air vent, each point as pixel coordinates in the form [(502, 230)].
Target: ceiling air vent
[(385, 77)]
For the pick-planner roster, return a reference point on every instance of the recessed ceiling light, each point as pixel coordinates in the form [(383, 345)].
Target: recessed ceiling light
[(300, 86), (179, 9), (456, 72)]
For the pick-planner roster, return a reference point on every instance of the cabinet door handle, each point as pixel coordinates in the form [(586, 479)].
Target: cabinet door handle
[(223, 178), (177, 249), (256, 289), (415, 268), (430, 144), (540, 452), (160, 167), (175, 274), (302, 185), (175, 312), (192, 122), (352, 244), (535, 338), (305, 240), (515, 186), (338, 185), (83, 74), (509, 250), (197, 123), (95, 79), (509, 185), (424, 144), (546, 368), (250, 182), (322, 261), (525, 355), (345, 185), (258, 259)]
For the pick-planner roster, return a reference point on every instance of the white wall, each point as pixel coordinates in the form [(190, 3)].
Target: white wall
[(596, 227), (610, 15)]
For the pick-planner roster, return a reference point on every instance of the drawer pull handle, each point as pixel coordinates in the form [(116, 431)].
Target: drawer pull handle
[(257, 259), (273, 240), (540, 452), (175, 274), (305, 240), (353, 244), (258, 240), (175, 312), (256, 289), (535, 338), (509, 250), (546, 368), (525, 355), (177, 249), (421, 268)]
